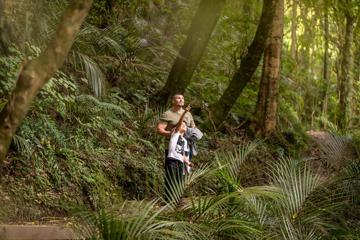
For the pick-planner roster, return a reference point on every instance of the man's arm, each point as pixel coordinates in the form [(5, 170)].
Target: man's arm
[(161, 129)]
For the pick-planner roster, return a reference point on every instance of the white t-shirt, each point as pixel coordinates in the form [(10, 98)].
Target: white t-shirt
[(178, 146)]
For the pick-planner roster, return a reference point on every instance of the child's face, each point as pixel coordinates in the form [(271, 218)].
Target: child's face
[(183, 127)]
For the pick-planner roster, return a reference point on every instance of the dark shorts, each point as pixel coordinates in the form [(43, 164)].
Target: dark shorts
[(174, 177)]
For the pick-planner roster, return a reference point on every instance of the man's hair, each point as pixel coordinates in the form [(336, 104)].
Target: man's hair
[(176, 94)]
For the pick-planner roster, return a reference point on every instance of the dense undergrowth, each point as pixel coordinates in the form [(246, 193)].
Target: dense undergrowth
[(102, 153), (73, 148), (76, 150)]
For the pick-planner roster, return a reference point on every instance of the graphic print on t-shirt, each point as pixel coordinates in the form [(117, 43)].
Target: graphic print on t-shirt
[(180, 145)]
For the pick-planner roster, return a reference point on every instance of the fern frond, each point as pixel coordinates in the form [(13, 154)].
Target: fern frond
[(94, 75)]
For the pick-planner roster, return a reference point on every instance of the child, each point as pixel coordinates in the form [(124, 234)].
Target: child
[(177, 161), (178, 146)]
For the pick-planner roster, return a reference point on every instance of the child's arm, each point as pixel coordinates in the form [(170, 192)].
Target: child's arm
[(178, 125), (187, 162)]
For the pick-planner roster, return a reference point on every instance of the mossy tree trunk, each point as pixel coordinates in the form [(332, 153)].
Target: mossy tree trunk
[(355, 108), (6, 32), (38, 71), (345, 80), (18, 21), (293, 29), (202, 26), (326, 68), (248, 65), (266, 107)]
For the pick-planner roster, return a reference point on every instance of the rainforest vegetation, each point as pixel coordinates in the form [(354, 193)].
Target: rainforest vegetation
[(274, 85)]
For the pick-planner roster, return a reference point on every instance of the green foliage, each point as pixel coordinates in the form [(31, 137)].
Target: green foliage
[(297, 204), (229, 171), (229, 42), (9, 67), (74, 148), (356, 142), (86, 149)]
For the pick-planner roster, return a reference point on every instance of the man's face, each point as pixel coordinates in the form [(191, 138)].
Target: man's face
[(178, 100)]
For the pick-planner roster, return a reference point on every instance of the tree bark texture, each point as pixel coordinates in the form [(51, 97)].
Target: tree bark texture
[(202, 26), (293, 30), (6, 32), (326, 70), (17, 20), (266, 107), (38, 71), (248, 65), (345, 81)]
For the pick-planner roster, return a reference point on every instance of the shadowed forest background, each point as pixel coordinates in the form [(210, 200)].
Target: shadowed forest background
[(273, 84)]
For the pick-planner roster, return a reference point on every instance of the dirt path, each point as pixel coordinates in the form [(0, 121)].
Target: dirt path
[(37, 232)]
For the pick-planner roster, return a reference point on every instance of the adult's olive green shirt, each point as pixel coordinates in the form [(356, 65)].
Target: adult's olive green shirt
[(172, 118)]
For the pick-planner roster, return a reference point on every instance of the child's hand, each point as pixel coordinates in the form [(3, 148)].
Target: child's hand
[(187, 109), (172, 130), (187, 162)]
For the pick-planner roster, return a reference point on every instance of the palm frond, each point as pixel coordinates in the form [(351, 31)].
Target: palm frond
[(230, 164), (178, 187), (259, 207), (309, 201), (103, 107), (94, 75), (336, 150), (291, 232), (206, 207), (144, 224), (297, 182), (22, 145)]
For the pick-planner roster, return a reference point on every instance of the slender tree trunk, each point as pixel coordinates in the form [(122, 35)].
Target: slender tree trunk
[(19, 22), (293, 30), (345, 80), (191, 52), (6, 33), (355, 109), (266, 109), (249, 63), (356, 73), (326, 70), (38, 71)]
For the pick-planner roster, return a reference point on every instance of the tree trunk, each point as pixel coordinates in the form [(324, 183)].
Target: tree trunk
[(6, 33), (38, 71), (17, 18), (356, 76), (355, 106), (345, 80), (190, 54), (249, 63), (326, 70), (266, 107), (293, 30)]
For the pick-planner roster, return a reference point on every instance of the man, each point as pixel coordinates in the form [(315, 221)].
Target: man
[(170, 118)]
